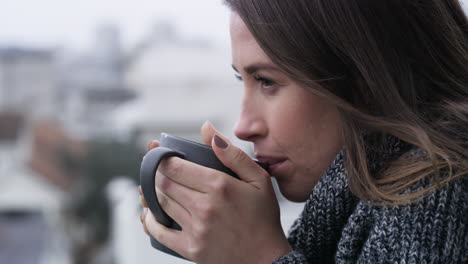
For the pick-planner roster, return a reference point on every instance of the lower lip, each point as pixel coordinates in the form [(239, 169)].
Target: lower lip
[(276, 167)]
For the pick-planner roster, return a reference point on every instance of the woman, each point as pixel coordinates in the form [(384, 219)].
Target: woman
[(360, 108)]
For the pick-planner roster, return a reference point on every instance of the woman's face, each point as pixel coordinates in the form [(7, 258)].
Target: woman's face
[(296, 132)]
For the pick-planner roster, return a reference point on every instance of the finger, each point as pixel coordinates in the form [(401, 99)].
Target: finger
[(143, 201), (142, 198), (172, 208), (142, 219), (188, 174), (153, 144), (239, 162), (171, 238), (207, 132), (185, 197)]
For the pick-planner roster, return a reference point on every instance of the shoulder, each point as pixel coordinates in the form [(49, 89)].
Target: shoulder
[(448, 202), (434, 227)]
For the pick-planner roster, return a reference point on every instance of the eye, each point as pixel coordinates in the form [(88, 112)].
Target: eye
[(267, 85), (238, 77)]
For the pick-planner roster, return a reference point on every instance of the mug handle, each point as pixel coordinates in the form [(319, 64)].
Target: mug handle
[(148, 169)]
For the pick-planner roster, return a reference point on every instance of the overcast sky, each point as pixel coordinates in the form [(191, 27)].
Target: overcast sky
[(71, 23)]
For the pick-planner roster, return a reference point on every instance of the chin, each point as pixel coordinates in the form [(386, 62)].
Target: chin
[(294, 195)]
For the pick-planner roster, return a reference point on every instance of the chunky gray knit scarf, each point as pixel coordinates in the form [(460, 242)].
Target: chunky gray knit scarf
[(336, 227)]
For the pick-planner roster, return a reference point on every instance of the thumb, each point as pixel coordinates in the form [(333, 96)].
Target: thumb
[(239, 162)]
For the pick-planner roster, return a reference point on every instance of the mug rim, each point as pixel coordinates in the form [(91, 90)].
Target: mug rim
[(164, 134)]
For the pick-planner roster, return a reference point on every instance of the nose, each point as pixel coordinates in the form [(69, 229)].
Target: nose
[(251, 124)]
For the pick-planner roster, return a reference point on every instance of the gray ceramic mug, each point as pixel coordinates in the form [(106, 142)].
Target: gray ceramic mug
[(170, 146)]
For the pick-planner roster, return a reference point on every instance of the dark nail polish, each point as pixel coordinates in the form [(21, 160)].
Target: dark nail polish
[(220, 142)]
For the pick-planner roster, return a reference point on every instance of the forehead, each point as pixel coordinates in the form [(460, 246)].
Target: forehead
[(245, 49), (238, 29)]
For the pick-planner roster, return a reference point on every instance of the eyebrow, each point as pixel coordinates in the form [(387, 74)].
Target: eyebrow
[(257, 67)]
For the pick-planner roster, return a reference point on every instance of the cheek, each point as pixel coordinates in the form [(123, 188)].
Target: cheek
[(301, 128), (286, 129), (310, 135)]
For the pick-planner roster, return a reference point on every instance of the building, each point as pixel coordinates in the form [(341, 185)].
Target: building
[(28, 81), (91, 85), (31, 227), (180, 83)]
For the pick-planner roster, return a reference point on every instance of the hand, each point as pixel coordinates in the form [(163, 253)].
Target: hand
[(223, 219)]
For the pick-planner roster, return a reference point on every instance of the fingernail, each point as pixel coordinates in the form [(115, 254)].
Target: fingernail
[(220, 142)]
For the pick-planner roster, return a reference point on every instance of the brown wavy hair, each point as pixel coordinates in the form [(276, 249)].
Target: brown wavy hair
[(392, 67)]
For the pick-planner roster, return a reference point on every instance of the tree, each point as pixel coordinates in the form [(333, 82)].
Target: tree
[(89, 208)]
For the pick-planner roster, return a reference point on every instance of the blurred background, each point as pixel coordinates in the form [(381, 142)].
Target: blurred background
[(84, 86)]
